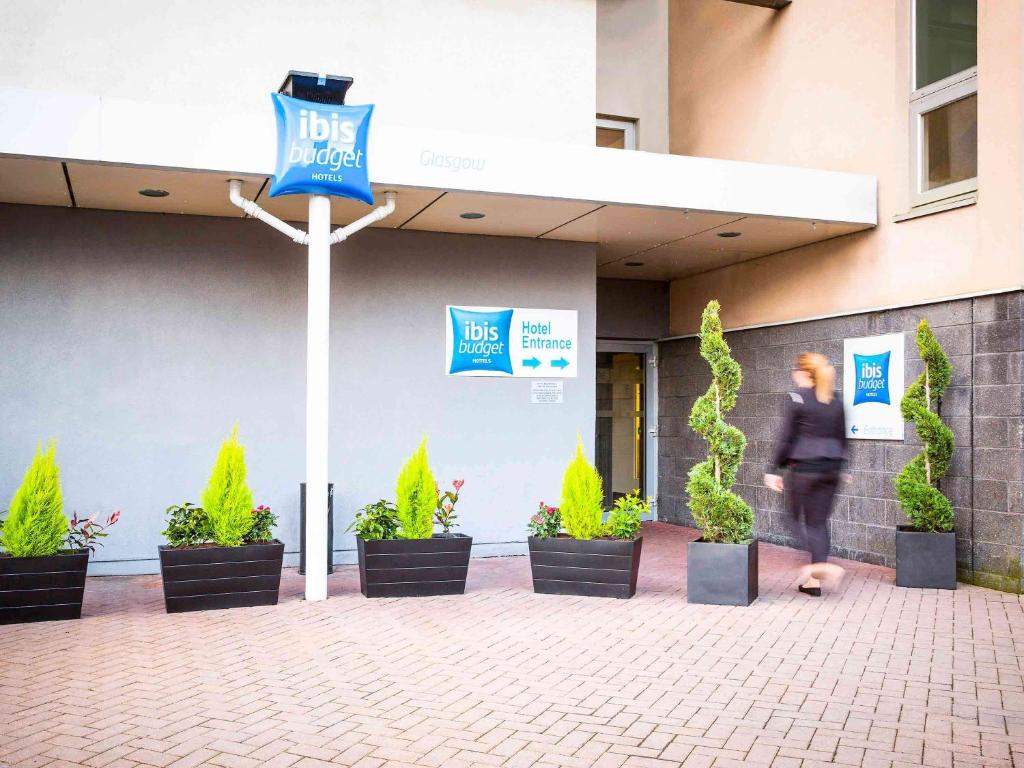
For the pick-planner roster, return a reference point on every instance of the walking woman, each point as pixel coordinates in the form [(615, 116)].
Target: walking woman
[(812, 450)]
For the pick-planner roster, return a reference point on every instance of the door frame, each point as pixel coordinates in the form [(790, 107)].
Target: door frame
[(649, 349)]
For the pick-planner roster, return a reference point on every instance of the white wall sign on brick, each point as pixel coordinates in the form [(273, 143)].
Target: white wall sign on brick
[(543, 391), (873, 387)]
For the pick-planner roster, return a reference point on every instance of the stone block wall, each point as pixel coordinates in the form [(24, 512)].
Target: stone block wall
[(984, 407)]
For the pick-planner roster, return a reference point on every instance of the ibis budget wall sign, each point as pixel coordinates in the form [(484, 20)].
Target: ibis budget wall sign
[(501, 341), (321, 149), (873, 387)]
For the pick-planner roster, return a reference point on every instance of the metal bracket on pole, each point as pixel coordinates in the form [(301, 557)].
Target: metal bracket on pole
[(318, 308)]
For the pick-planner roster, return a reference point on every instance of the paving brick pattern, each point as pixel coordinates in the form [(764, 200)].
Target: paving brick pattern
[(984, 407), (869, 675)]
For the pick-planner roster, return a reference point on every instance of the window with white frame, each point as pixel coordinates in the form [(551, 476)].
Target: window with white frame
[(944, 100), (616, 133)]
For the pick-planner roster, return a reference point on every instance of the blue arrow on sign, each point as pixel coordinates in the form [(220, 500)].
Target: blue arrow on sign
[(560, 363), (854, 429), (532, 362)]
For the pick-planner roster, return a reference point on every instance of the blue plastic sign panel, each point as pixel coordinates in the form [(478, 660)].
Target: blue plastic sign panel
[(873, 387), (321, 149), (509, 342)]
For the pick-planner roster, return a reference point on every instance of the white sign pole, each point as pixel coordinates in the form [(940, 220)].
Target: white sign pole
[(318, 318), (318, 338)]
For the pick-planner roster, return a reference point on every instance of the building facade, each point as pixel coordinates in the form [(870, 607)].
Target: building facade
[(866, 173)]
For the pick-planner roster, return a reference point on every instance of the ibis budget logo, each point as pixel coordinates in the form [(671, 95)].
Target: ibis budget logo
[(871, 380), (321, 149), (480, 340)]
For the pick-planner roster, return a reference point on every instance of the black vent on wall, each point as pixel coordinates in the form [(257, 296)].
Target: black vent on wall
[(309, 86)]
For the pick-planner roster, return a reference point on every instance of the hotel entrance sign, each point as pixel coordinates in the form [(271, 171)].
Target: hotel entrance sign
[(499, 341), (873, 387)]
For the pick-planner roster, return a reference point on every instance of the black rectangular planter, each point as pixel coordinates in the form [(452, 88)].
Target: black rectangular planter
[(414, 567), (42, 588), (585, 567), (721, 574), (204, 578), (925, 559)]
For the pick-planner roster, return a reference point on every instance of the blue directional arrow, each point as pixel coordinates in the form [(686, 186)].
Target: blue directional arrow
[(560, 363), (532, 362), (854, 429)]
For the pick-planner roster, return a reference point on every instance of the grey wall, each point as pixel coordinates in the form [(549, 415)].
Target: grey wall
[(632, 309), (137, 340), (984, 407)]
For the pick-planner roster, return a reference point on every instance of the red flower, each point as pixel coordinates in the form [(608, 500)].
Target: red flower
[(458, 484), (114, 517)]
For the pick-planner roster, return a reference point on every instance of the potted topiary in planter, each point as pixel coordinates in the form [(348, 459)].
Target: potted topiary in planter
[(592, 559), (721, 566), (926, 549), (399, 553), (46, 557), (223, 554)]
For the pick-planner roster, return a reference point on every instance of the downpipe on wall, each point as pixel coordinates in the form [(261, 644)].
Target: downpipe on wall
[(318, 314)]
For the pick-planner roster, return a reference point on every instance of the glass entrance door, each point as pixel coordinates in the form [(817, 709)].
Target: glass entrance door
[(621, 396)]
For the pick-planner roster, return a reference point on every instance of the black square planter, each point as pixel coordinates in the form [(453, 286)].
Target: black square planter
[(721, 574), (208, 577), (925, 560), (414, 567), (585, 567), (42, 588)]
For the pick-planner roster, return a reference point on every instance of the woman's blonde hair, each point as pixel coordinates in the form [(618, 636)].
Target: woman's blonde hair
[(822, 374)]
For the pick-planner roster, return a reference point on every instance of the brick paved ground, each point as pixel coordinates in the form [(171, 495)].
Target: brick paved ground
[(869, 675)]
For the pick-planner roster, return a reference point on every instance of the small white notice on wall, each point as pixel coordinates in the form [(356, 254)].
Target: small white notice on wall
[(873, 387), (546, 391)]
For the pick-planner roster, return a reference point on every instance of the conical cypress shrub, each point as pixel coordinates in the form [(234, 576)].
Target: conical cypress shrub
[(227, 498), (582, 504), (416, 496), (35, 524), (721, 515), (917, 483)]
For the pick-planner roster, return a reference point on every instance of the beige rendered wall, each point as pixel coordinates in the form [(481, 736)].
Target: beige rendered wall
[(523, 68), (825, 84), (632, 67)]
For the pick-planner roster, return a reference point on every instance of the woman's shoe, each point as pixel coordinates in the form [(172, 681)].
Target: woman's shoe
[(812, 591)]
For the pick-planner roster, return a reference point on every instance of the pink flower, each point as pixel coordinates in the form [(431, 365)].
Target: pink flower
[(458, 484), (536, 519), (447, 507), (114, 517)]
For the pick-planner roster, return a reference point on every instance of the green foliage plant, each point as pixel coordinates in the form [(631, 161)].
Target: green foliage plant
[(187, 525), (227, 498), (917, 483), (721, 514), (582, 505), (261, 530), (416, 496), (624, 519), (376, 521), (35, 524)]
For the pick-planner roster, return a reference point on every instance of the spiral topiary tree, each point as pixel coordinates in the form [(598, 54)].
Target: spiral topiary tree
[(722, 515), (917, 483)]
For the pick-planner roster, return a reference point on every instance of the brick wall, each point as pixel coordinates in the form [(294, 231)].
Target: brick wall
[(983, 406)]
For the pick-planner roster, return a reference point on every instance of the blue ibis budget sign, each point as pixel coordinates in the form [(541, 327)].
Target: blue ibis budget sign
[(503, 341), (321, 149)]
